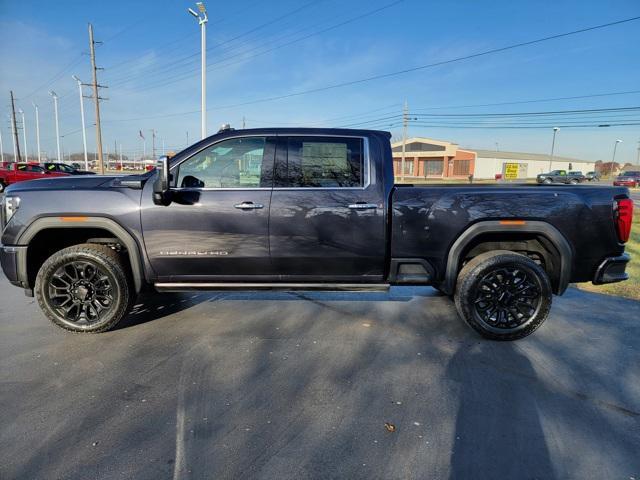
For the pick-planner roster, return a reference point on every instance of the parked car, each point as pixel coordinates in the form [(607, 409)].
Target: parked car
[(561, 176), (628, 179), (577, 175), (64, 168), (306, 209), (20, 172), (593, 176)]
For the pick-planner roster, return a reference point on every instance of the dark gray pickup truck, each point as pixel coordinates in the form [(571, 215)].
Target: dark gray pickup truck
[(306, 209)]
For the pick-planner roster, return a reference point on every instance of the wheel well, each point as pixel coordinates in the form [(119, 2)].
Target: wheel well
[(51, 240), (534, 245)]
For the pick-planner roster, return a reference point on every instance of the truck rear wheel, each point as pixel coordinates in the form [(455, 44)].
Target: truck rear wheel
[(503, 295), (84, 288)]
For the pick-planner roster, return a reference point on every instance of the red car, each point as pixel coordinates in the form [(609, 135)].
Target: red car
[(628, 179), (20, 172)]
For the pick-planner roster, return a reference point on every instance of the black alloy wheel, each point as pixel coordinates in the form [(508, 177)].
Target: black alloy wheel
[(503, 295), (81, 292), (84, 288), (506, 298)]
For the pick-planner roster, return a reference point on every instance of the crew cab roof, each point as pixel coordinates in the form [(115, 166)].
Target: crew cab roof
[(279, 131)]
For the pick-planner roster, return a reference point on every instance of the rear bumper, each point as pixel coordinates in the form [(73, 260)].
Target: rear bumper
[(612, 270), (13, 265)]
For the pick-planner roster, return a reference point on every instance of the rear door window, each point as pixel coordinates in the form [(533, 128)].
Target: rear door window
[(321, 162)]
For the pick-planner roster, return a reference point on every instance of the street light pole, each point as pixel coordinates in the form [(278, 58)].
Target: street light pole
[(553, 145), (1, 148), (202, 21), (55, 108), (84, 132), (37, 131), (24, 135), (615, 147)]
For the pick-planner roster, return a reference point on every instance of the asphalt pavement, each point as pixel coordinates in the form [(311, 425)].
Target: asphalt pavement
[(319, 385)]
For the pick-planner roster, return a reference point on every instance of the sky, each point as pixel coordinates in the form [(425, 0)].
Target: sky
[(269, 64)]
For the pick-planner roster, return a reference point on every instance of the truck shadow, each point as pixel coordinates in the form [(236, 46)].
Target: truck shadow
[(150, 306)]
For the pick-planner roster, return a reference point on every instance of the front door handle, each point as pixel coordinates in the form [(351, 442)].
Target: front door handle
[(362, 206), (248, 206)]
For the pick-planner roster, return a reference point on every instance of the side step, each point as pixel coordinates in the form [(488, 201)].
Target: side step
[(330, 287)]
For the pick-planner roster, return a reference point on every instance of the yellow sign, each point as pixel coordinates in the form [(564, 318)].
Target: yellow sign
[(510, 171)]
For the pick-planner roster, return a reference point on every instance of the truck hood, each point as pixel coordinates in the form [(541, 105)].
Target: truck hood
[(70, 182)]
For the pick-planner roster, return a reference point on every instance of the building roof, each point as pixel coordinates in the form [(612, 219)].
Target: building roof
[(525, 156), (426, 147)]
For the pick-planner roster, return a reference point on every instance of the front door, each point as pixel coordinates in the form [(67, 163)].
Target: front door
[(216, 228), (327, 211)]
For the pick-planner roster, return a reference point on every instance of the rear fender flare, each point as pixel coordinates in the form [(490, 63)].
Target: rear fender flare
[(495, 226)]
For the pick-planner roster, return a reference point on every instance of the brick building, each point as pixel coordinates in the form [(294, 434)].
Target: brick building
[(428, 158)]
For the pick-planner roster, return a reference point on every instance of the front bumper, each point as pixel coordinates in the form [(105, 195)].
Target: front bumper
[(12, 260), (612, 270)]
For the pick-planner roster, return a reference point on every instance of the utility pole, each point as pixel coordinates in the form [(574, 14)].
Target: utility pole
[(405, 122), (24, 135), (163, 154), (187, 138), (84, 130), (243, 123), (1, 148), (16, 144), (55, 108), (38, 131), (153, 144), (638, 156), (120, 154), (553, 145), (96, 98), (202, 21), (615, 147)]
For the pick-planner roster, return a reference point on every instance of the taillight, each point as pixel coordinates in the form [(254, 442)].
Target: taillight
[(624, 217)]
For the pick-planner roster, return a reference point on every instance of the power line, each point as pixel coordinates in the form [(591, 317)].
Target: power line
[(57, 76), (175, 63), (538, 100), (400, 72), (418, 68), (221, 62)]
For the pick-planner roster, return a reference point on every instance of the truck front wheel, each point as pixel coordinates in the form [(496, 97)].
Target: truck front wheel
[(503, 295), (84, 288)]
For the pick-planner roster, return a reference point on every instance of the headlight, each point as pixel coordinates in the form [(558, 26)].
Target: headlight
[(10, 206)]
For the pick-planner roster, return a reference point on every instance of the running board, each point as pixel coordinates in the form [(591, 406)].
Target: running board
[(331, 287)]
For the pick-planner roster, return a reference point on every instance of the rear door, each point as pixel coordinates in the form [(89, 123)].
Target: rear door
[(327, 220), (216, 228)]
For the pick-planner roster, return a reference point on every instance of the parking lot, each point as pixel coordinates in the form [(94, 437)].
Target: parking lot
[(279, 385)]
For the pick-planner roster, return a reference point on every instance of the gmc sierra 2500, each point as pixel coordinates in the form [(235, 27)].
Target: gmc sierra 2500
[(306, 209)]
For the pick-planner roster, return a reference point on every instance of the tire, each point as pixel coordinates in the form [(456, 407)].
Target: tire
[(573, 182), (503, 295), (547, 181), (84, 288), (2, 187)]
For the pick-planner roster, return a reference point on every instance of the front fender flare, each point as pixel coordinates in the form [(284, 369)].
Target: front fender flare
[(133, 250)]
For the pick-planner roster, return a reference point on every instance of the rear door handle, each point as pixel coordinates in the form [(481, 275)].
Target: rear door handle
[(248, 206), (362, 206)]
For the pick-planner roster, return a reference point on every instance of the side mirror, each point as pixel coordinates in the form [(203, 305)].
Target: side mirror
[(161, 190)]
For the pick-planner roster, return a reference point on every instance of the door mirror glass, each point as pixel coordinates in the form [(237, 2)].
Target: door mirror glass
[(161, 187)]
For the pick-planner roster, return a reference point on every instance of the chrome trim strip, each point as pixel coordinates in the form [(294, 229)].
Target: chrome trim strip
[(367, 165), (177, 286)]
